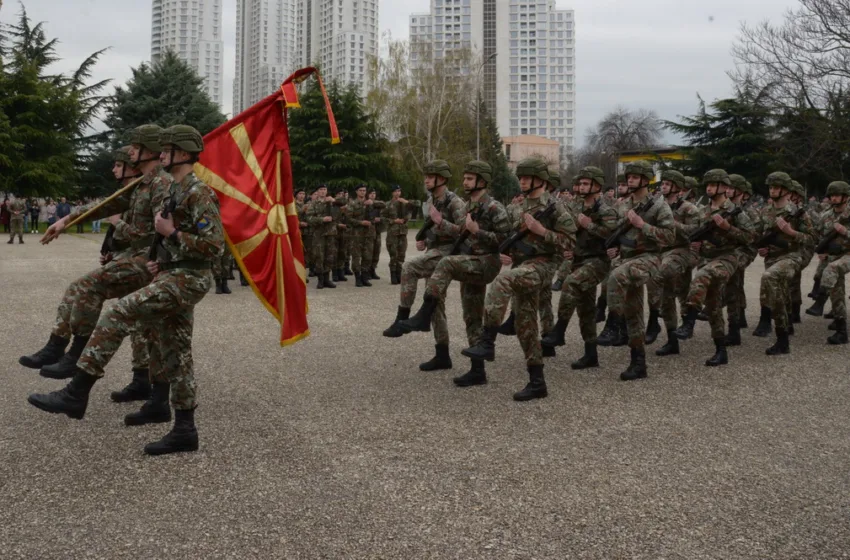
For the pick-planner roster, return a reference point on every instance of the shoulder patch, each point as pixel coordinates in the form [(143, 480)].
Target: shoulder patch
[(202, 223)]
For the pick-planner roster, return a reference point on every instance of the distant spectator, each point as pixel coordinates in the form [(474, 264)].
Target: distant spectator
[(50, 212), (5, 215), (62, 209), (35, 211)]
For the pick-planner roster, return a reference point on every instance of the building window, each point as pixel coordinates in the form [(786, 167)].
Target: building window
[(508, 147)]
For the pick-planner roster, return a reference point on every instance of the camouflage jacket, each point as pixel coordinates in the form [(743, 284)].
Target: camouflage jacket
[(494, 224), (658, 231), (316, 212), (301, 209), (358, 211), (198, 221), (687, 220), (786, 243), (134, 232), (158, 183), (513, 210), (395, 210), (840, 244), (560, 235), (755, 216), (721, 242), (590, 241), (18, 208), (453, 210)]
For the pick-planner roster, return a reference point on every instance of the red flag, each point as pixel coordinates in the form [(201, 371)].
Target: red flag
[(246, 161)]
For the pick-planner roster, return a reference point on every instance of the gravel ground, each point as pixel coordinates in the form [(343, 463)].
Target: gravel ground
[(338, 447)]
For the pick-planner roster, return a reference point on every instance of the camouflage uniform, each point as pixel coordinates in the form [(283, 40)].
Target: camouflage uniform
[(221, 270), (325, 243), (344, 235), (306, 233), (379, 228), (677, 262), (18, 209), (396, 237), (361, 242)]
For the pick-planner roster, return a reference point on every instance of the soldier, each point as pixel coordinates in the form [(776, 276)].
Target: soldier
[(569, 203), (613, 323), (736, 298), (590, 265), (361, 226), (343, 255), (379, 227), (478, 263), (445, 206), (320, 217), (836, 255), (532, 266), (807, 253), (677, 261), (83, 300), (301, 204), (395, 215), (719, 250), (17, 208), (786, 233), (639, 251), (221, 271), (191, 236)]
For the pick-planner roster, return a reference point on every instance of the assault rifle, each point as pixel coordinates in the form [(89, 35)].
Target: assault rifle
[(824, 245), (703, 233), (167, 209), (429, 223), (520, 234), (106, 247), (771, 237), (464, 235), (641, 210)]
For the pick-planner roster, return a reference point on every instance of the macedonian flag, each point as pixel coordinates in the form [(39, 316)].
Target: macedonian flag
[(246, 160)]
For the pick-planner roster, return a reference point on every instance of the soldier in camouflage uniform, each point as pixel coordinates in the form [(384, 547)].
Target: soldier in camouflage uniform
[(379, 227), (81, 305), (807, 253), (301, 203), (475, 264), (785, 234), (395, 215), (325, 244), (640, 253), (533, 265), (191, 237), (719, 253), (836, 255), (736, 298), (362, 228), (17, 208), (343, 254), (575, 207), (590, 265), (613, 324), (221, 271), (445, 206)]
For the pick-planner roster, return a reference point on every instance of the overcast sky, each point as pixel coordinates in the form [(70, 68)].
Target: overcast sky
[(653, 54)]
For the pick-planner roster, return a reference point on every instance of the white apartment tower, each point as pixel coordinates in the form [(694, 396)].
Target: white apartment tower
[(192, 29), (266, 45), (530, 86)]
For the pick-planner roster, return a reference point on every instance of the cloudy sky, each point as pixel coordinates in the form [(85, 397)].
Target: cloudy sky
[(653, 54)]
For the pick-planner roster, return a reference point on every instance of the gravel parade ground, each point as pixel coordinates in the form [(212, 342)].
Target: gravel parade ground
[(339, 447)]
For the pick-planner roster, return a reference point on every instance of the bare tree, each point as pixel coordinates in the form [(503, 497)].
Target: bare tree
[(619, 131)]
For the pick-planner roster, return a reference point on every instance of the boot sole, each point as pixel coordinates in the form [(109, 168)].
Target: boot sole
[(158, 452), (836, 343), (144, 421), (33, 365), (52, 375), (579, 368), (635, 378), (116, 398), (531, 398), (39, 405), (485, 358), (715, 365), (439, 368), (468, 383)]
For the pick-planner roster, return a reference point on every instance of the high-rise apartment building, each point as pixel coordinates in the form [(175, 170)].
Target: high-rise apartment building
[(530, 85), (192, 29)]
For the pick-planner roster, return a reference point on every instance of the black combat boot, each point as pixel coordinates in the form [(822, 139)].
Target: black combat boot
[(139, 388), (637, 367), (421, 321), (763, 328), (702, 316), (326, 280), (686, 329), (320, 281), (156, 409), (622, 334), (507, 328), (590, 358), (557, 285), (20, 239), (790, 325), (395, 278), (476, 375), (11, 241), (734, 336), (335, 275), (182, 437), (556, 337), (548, 351), (816, 310), (66, 367), (364, 278), (244, 281), (829, 315), (840, 335), (720, 356), (653, 327), (340, 275), (672, 346), (795, 313), (347, 269), (217, 286), (782, 346), (441, 359), (373, 275), (224, 288), (742, 318), (358, 281), (394, 330), (486, 347), (815, 289), (833, 325), (50, 354), (72, 400), (610, 331), (601, 304), (536, 388)]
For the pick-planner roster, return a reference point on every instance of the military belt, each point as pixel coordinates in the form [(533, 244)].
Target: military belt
[(191, 265)]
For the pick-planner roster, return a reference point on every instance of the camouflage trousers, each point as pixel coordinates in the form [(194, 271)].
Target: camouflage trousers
[(524, 281), (423, 266), (775, 286), (833, 282), (324, 253), (83, 300), (736, 297), (376, 249), (473, 272), (361, 253), (795, 287), (625, 292), (165, 309), (17, 226), (564, 270), (343, 254), (579, 294), (139, 345), (397, 249), (307, 240), (822, 264), (672, 283), (708, 289), (222, 265)]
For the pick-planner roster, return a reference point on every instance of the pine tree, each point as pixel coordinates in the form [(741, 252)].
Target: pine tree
[(505, 183)]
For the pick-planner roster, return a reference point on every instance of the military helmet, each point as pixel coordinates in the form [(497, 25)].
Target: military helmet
[(838, 188), (480, 168), (642, 168), (691, 183), (797, 188), (533, 167), (674, 177), (184, 137), (746, 187), (555, 177), (576, 179), (779, 179), (738, 182), (438, 167), (592, 173), (621, 178), (147, 136), (716, 176), (123, 155)]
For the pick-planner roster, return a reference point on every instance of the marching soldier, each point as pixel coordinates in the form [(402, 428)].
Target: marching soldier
[(611, 334), (575, 207), (395, 215), (325, 243), (379, 227), (807, 253), (301, 204), (736, 298), (361, 226), (533, 265), (478, 263), (18, 208), (445, 206), (343, 255)]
